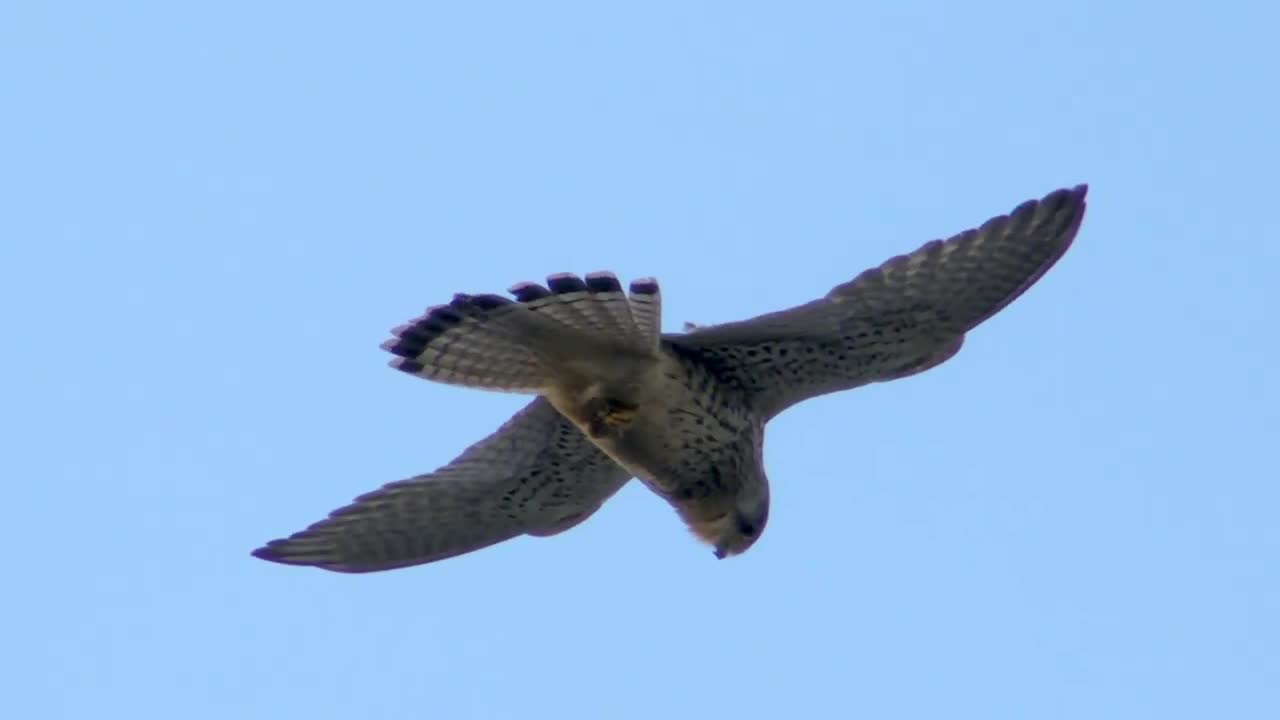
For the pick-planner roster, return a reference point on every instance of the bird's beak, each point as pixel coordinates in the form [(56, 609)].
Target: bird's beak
[(721, 553)]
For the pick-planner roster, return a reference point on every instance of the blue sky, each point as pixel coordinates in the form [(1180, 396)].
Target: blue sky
[(212, 216)]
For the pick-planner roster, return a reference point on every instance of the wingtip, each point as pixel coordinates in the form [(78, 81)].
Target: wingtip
[(1076, 193), (406, 365), (299, 551), (271, 553), (285, 552)]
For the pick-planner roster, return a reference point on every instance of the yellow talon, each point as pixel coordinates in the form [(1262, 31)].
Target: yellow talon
[(619, 415), (609, 416)]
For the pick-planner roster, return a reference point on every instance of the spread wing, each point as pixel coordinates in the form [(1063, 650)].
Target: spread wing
[(901, 318), (537, 475)]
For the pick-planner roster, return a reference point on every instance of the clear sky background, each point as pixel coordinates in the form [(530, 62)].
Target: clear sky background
[(212, 215)]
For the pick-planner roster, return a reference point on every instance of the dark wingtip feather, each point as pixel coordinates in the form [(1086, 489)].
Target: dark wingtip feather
[(411, 338), (399, 347), (561, 283), (270, 553), (489, 301), (1071, 202), (603, 282), (286, 552), (644, 286), (447, 313), (1060, 214), (1058, 198), (404, 364), (278, 551), (529, 291)]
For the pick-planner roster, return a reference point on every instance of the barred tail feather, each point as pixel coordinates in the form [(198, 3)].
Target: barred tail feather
[(492, 342), (646, 310), (476, 340)]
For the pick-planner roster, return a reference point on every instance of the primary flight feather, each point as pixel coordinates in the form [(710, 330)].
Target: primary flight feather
[(683, 412)]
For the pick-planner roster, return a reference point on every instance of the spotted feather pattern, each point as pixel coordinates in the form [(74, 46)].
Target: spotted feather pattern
[(696, 436), (907, 315), (537, 475)]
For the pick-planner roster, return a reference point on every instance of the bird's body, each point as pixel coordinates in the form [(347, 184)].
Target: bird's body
[(693, 440), (683, 412)]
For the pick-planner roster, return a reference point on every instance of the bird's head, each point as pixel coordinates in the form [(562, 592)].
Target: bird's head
[(732, 532)]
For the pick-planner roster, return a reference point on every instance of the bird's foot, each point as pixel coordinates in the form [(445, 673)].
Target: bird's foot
[(606, 416)]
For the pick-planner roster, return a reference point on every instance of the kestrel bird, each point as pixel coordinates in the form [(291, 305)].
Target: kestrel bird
[(684, 412)]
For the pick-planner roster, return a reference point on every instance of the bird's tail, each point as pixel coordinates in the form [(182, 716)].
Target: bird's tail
[(523, 345)]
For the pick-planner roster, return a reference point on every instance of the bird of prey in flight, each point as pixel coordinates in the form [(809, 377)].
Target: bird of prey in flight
[(616, 398)]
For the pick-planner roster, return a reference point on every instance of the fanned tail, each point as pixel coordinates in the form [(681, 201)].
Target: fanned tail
[(521, 345)]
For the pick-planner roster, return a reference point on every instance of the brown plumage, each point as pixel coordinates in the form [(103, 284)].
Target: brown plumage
[(685, 413)]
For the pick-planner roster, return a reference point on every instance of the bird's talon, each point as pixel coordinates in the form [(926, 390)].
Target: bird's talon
[(610, 416)]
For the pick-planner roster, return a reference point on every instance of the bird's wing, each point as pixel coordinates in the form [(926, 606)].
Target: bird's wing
[(537, 475), (898, 319)]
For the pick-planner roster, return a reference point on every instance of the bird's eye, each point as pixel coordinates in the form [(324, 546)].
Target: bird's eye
[(746, 527)]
